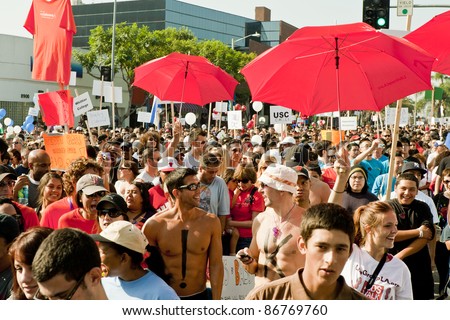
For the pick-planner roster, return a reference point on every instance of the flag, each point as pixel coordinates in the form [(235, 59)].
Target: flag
[(157, 109)]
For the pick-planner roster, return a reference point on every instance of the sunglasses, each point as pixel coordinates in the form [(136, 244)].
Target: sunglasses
[(99, 194), (236, 150), (190, 187), (112, 213), (201, 142), (39, 296), (243, 180), (446, 181), (10, 183)]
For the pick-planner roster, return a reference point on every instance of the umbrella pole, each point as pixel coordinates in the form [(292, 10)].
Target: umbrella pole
[(184, 83), (394, 135), (337, 89)]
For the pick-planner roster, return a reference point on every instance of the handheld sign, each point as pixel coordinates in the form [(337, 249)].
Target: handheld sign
[(64, 149), (82, 104)]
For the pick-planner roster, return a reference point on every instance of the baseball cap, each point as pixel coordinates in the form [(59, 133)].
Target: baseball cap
[(280, 177), (125, 145), (288, 140), (10, 136), (90, 184), (125, 234), (116, 200), (9, 228), (6, 171), (167, 164), (409, 166), (301, 171)]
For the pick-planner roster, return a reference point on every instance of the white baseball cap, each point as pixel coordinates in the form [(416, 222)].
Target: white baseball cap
[(280, 177), (288, 140), (167, 164), (125, 234)]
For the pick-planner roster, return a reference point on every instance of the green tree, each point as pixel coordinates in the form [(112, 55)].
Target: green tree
[(135, 45)]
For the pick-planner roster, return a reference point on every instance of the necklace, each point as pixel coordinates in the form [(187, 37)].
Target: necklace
[(276, 231)]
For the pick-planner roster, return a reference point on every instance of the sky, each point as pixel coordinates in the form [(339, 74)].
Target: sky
[(299, 13)]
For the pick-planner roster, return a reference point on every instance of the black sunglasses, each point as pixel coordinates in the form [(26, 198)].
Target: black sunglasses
[(112, 213), (99, 194), (190, 187), (243, 180)]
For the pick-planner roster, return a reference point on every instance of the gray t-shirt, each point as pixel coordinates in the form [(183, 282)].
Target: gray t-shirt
[(214, 197)]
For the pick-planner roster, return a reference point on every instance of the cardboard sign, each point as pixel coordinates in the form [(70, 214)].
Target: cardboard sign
[(73, 79), (64, 149), (237, 282), (390, 116), (33, 112), (144, 117), (280, 115), (117, 94), (235, 119), (98, 118), (349, 123), (82, 104), (221, 107), (97, 87)]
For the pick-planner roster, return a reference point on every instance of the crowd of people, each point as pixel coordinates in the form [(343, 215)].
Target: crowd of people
[(149, 214)]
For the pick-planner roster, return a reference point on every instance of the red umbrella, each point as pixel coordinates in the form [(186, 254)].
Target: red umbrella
[(185, 78), (342, 67), (434, 37)]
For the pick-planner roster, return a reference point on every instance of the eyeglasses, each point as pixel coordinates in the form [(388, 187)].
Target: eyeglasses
[(201, 142), (10, 183), (39, 296), (17, 142), (243, 180), (112, 213), (99, 194), (190, 187), (236, 150), (446, 181)]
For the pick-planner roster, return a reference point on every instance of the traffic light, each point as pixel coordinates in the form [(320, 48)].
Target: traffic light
[(376, 13)]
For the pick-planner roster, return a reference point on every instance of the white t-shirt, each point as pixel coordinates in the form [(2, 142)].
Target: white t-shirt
[(393, 281)]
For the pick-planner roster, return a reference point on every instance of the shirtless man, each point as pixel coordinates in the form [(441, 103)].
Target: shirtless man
[(319, 191), (189, 239), (273, 252)]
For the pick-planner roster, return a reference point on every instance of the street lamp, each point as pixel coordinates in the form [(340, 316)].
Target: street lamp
[(256, 34)]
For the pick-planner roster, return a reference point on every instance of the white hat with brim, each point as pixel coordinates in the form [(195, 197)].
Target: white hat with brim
[(125, 234), (280, 177), (90, 184)]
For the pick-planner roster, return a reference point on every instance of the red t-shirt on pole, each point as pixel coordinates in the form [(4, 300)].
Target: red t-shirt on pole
[(52, 24)]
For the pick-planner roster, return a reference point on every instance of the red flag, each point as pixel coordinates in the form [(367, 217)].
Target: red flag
[(57, 108)]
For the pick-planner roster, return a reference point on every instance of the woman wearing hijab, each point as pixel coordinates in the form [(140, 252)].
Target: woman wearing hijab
[(356, 192)]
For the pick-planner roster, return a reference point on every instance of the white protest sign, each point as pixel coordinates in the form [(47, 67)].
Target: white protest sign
[(221, 106), (237, 282), (73, 79), (280, 115), (98, 118), (390, 116), (216, 116), (235, 119), (82, 104), (97, 87), (33, 112), (144, 117), (349, 123), (117, 94)]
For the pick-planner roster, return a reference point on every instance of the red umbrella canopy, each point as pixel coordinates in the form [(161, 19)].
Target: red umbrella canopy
[(336, 68), (185, 78), (434, 37)]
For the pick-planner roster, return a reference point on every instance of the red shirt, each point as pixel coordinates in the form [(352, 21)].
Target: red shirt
[(52, 25), (157, 198), (30, 217), (242, 210), (74, 219), (52, 213)]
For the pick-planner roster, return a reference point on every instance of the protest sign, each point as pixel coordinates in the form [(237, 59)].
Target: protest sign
[(237, 282), (82, 104), (98, 118), (64, 149)]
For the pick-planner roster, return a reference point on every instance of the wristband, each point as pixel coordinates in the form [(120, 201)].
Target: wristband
[(338, 191), (420, 234)]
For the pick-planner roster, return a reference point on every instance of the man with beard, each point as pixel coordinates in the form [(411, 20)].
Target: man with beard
[(415, 225), (188, 238), (39, 164)]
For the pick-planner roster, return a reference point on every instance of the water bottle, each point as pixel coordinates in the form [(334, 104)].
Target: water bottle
[(23, 195)]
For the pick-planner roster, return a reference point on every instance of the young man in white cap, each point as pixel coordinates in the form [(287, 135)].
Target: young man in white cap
[(122, 247), (157, 196), (273, 252)]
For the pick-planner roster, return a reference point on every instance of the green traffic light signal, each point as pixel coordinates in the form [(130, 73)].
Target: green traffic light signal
[(381, 22)]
